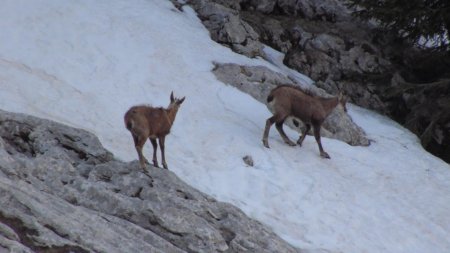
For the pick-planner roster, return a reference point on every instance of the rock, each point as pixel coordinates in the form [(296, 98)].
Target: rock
[(227, 28), (258, 81), (325, 10), (61, 191), (264, 6), (248, 160), (270, 31)]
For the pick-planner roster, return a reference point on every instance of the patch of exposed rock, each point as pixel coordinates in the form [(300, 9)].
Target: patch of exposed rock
[(227, 28), (258, 81), (61, 191)]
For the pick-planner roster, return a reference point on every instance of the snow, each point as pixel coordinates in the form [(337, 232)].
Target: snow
[(84, 63)]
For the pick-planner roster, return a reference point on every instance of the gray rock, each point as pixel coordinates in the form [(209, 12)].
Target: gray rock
[(325, 10), (248, 160), (271, 31), (227, 28), (258, 81), (60, 190), (264, 6)]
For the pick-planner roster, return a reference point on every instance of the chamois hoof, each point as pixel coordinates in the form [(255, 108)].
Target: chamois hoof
[(266, 143), (142, 166), (290, 143), (144, 169), (325, 155)]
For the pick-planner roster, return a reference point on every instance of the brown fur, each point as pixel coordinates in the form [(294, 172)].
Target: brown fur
[(288, 101), (146, 122)]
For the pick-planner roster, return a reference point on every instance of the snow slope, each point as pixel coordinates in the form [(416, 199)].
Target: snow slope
[(84, 63)]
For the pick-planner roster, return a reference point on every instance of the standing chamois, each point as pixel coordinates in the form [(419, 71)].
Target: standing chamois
[(154, 123), (288, 100)]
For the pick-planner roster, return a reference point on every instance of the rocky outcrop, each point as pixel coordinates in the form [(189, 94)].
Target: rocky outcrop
[(226, 27), (258, 81), (61, 191)]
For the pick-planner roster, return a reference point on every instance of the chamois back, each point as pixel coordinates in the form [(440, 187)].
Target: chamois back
[(147, 119)]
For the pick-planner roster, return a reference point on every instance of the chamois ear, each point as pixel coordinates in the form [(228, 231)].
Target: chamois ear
[(342, 97), (343, 100), (181, 100), (171, 97)]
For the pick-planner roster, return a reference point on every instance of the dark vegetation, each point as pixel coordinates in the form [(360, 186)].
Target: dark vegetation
[(419, 96)]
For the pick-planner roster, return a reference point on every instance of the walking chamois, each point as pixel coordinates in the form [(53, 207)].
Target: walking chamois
[(291, 101)]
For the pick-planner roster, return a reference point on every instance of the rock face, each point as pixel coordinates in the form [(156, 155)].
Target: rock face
[(320, 39), (259, 81), (61, 191), (226, 27)]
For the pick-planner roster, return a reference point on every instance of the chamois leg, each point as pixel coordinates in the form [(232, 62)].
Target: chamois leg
[(163, 156), (279, 126), (269, 123), (139, 142), (317, 136), (155, 148), (302, 137)]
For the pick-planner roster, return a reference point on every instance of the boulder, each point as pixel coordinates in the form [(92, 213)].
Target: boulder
[(227, 28)]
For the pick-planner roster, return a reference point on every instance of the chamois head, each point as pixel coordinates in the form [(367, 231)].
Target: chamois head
[(175, 102)]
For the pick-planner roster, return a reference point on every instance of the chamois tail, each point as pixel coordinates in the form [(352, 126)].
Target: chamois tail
[(129, 123)]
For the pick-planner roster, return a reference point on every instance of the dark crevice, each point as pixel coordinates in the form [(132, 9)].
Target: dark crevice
[(82, 155), (137, 194), (104, 178), (54, 230), (26, 237), (72, 138), (227, 235), (18, 140), (183, 195)]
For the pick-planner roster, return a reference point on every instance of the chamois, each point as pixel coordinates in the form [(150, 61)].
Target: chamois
[(153, 123), (288, 100)]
